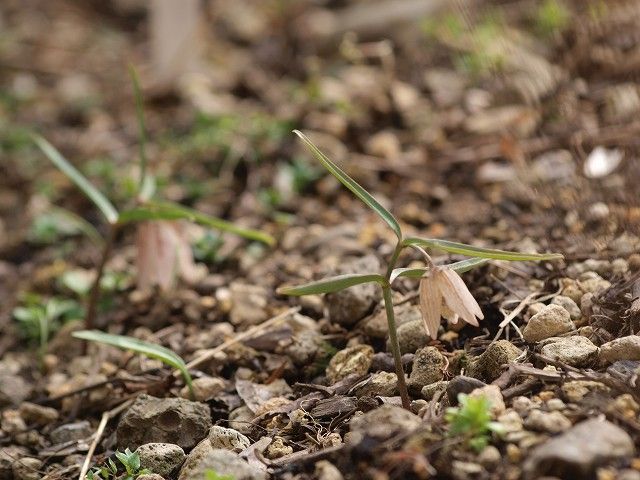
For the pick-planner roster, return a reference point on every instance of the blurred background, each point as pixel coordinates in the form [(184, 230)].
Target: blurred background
[(501, 120)]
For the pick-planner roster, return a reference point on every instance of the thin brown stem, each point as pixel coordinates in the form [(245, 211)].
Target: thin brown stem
[(94, 295)]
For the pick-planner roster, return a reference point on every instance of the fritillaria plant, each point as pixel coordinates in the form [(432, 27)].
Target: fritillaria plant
[(438, 284)]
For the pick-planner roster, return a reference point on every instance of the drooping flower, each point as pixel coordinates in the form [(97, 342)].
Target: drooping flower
[(442, 284), (164, 254)]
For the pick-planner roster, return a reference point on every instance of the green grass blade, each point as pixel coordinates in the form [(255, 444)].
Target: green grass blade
[(333, 284), (352, 185), (137, 93), (105, 206), (471, 251), (147, 349), (173, 211), (459, 267)]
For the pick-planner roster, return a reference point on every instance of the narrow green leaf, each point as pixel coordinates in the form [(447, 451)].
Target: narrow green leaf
[(471, 251), (105, 206), (148, 349), (459, 267), (173, 211), (352, 185), (143, 187), (333, 284)]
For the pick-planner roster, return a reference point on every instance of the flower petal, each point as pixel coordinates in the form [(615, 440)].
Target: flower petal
[(451, 316), (457, 296), (430, 304)]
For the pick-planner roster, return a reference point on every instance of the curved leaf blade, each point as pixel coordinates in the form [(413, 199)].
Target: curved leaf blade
[(147, 349), (352, 185), (458, 267), (332, 284), (479, 252), (105, 206), (173, 211)]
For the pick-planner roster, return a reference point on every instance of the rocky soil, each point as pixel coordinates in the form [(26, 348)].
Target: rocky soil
[(500, 125)]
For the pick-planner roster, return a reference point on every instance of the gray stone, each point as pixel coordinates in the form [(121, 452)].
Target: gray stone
[(325, 470), (351, 360), (576, 351), (577, 452), (228, 438), (249, 304), (163, 420), (591, 282), (569, 305), (624, 348), (549, 422), (161, 458), (13, 388), (33, 413), (428, 368), (348, 306), (224, 462), (489, 456), (551, 321), (411, 336), (493, 394), (150, 476), (488, 366), (240, 419), (376, 325), (382, 423), (384, 384), (204, 388), (8, 456), (429, 391), (576, 390), (462, 384), (304, 347), (27, 468), (71, 432)]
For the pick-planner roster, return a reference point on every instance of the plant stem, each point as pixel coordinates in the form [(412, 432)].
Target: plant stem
[(395, 347), (393, 334), (94, 295), (393, 259)]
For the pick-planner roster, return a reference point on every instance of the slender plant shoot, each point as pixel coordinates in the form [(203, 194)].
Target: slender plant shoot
[(144, 210), (438, 283)]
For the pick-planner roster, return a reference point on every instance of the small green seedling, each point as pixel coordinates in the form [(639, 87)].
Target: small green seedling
[(151, 350), (39, 318), (213, 475), (552, 16), (472, 421), (438, 283), (145, 209), (109, 471)]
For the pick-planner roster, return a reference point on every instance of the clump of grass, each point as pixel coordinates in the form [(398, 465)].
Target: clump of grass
[(144, 208), (443, 278), (476, 47), (39, 318), (129, 460), (472, 421)]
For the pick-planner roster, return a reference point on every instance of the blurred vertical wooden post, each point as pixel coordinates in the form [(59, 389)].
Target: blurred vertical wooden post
[(175, 45)]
